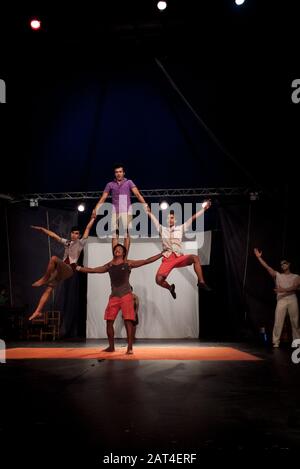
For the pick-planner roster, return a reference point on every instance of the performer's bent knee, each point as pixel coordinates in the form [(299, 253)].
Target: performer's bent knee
[(195, 258), (159, 279)]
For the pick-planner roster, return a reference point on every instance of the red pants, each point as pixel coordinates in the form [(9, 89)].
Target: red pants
[(169, 263), (115, 303)]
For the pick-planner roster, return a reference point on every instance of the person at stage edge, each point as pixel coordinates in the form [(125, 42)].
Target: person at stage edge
[(286, 285)]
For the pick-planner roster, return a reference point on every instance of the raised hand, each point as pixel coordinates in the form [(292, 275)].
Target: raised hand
[(39, 228), (206, 204), (257, 253)]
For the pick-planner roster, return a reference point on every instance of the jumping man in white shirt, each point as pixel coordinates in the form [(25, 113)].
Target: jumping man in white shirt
[(173, 256), (60, 269)]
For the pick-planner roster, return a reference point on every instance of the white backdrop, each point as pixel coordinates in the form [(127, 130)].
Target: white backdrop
[(160, 316)]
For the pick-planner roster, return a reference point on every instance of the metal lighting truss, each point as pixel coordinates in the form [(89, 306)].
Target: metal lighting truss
[(152, 193)]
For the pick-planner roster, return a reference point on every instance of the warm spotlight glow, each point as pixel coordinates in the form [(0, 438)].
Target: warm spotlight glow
[(81, 208), (162, 5), (35, 24), (164, 205)]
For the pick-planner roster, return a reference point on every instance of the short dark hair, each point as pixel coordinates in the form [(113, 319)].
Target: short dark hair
[(75, 228), (123, 247), (119, 165)]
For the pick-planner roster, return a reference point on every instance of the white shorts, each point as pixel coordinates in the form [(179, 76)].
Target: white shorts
[(121, 222)]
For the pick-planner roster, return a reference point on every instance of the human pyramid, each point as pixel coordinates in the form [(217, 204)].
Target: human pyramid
[(119, 267)]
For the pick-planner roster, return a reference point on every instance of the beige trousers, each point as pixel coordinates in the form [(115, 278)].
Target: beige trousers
[(288, 304)]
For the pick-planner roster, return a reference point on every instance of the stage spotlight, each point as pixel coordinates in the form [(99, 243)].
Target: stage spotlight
[(35, 24), (162, 5), (81, 208), (33, 203), (239, 2), (164, 205)]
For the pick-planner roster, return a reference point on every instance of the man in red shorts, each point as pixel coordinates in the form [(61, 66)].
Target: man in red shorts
[(119, 269), (173, 256)]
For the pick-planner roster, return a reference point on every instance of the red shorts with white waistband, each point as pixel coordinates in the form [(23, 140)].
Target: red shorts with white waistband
[(115, 303), (169, 263)]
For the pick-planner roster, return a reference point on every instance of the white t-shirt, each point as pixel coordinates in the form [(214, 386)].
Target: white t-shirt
[(285, 281), (172, 239), (73, 248)]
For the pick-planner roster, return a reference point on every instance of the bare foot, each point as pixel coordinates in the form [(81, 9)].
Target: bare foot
[(40, 282), (36, 314), (109, 349), (129, 351)]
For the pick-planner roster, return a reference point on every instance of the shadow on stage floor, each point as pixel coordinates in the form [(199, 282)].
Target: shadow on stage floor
[(69, 409)]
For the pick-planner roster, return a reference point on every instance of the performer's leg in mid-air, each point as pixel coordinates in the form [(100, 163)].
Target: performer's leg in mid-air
[(172, 262), (43, 300), (161, 281), (198, 270), (57, 271), (49, 272)]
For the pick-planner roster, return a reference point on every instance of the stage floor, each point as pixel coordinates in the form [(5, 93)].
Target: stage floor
[(67, 402), (140, 352)]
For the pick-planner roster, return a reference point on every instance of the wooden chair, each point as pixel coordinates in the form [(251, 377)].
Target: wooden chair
[(47, 325), (35, 327), (52, 325)]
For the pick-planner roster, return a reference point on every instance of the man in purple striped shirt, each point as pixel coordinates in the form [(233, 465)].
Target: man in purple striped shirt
[(120, 189)]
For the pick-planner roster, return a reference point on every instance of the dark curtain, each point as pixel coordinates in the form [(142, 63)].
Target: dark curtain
[(71, 307), (234, 219)]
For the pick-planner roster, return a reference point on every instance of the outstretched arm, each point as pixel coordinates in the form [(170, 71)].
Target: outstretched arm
[(47, 232), (99, 203), (102, 269), (139, 197), (154, 219), (207, 204), (258, 254), (88, 227), (140, 263)]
